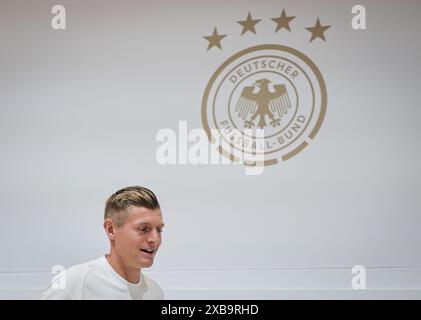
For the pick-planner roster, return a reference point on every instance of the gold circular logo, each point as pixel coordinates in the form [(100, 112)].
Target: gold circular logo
[(271, 89)]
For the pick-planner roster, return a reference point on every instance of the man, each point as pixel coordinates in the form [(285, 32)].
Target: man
[(133, 223)]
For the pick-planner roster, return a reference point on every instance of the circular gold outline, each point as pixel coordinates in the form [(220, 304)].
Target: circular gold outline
[(278, 47)]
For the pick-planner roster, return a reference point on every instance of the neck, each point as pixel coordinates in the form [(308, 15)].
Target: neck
[(129, 274)]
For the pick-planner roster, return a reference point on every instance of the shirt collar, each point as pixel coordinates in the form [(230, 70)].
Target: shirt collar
[(114, 274)]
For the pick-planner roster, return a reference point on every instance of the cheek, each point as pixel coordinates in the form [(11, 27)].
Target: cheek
[(128, 238), (140, 238)]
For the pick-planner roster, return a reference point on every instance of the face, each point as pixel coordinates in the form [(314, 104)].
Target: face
[(139, 238)]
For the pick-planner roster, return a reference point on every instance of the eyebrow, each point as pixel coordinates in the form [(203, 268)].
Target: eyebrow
[(148, 223)]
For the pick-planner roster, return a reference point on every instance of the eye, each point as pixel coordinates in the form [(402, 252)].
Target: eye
[(159, 230), (144, 229)]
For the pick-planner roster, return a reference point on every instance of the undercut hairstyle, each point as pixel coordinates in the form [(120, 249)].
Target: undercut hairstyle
[(118, 202)]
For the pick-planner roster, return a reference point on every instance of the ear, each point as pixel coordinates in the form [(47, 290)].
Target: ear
[(110, 228)]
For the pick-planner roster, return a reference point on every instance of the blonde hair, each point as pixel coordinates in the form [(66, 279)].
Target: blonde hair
[(126, 197)]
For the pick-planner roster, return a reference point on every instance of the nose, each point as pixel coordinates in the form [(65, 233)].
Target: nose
[(154, 237)]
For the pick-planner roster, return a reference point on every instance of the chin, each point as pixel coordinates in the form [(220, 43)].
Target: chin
[(146, 264)]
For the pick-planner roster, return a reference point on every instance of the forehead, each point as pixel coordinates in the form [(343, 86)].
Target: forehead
[(137, 215)]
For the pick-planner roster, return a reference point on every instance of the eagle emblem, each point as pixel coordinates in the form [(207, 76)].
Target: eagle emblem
[(264, 103)]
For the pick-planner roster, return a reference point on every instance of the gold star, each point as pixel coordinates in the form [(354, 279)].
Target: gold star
[(215, 39), (318, 31), (248, 24), (283, 21)]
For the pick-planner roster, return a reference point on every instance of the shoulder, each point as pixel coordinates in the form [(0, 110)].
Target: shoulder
[(154, 291), (68, 284)]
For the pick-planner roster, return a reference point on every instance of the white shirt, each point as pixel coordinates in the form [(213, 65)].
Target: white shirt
[(97, 280)]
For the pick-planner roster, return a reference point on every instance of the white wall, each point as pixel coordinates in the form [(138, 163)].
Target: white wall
[(80, 109)]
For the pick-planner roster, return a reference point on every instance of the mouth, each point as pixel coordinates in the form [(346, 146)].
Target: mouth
[(148, 252)]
